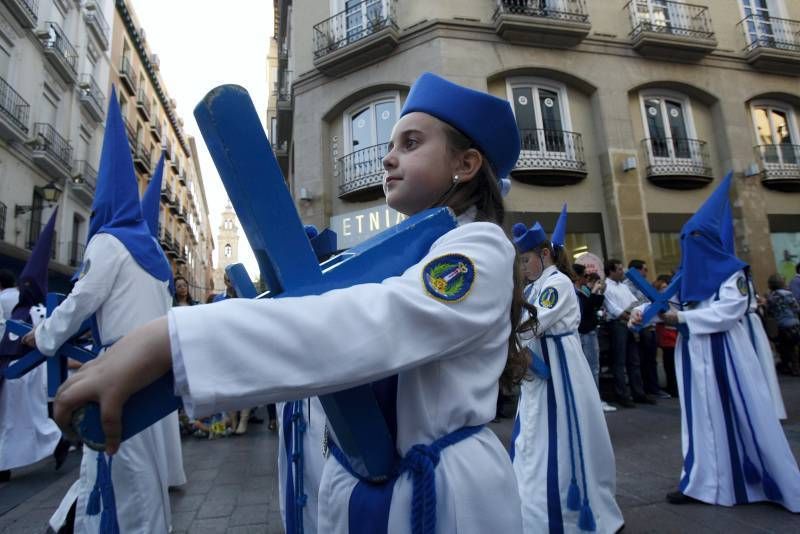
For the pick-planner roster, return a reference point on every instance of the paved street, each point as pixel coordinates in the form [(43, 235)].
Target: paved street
[(232, 485)]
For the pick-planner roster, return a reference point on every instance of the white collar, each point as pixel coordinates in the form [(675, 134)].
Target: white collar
[(468, 216)]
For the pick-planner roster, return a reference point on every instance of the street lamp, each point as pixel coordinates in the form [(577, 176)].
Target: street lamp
[(50, 194)]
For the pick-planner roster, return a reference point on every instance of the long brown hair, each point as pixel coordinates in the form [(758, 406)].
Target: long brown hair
[(483, 193)]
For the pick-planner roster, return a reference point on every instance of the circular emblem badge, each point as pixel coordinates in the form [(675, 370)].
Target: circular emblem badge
[(741, 285), (449, 278), (523, 100), (548, 297), (385, 115), (652, 111), (548, 102)]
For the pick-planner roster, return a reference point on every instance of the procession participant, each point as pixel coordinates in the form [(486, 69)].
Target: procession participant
[(27, 434), (734, 449), (170, 425), (561, 449), (755, 327), (122, 285), (446, 327)]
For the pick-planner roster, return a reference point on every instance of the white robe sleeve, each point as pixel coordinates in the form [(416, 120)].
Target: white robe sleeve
[(242, 352), (721, 314), (557, 287), (88, 294)]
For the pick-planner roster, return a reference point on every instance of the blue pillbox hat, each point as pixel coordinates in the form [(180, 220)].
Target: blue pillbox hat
[(485, 119), (527, 239)]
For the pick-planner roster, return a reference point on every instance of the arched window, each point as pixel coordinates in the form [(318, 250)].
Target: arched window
[(669, 126), (542, 113), (228, 251), (776, 132)]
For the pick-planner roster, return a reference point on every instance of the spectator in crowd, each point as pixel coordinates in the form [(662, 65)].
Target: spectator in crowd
[(229, 293), (665, 337), (794, 285), (784, 309), (182, 296), (619, 301), (648, 347), (590, 289)]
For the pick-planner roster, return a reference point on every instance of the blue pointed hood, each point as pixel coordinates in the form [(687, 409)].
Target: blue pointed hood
[(116, 209), (151, 200), (32, 286), (560, 232), (726, 231), (705, 258)]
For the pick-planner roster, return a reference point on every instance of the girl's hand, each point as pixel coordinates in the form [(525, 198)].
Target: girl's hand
[(635, 318), (132, 363)]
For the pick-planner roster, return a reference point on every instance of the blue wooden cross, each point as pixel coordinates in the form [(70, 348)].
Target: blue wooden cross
[(56, 364), (245, 162), (659, 300)]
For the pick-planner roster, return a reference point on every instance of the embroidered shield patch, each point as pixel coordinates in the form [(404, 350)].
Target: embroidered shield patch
[(741, 285), (449, 278), (86, 265), (548, 297)]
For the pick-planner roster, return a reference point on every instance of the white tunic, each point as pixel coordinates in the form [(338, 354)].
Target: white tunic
[(124, 296), (758, 336), (27, 434), (727, 413), (558, 314), (449, 357)]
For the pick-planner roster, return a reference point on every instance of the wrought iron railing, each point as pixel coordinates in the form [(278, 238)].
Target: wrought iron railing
[(47, 139), (361, 169), (3, 211), (142, 102), (95, 15), (92, 91), (668, 156), (675, 18), (764, 31), (126, 70), (155, 128), (779, 161), (13, 106), (353, 24), (568, 10), (31, 7), (56, 40), (141, 154), (85, 174), (76, 250), (549, 149)]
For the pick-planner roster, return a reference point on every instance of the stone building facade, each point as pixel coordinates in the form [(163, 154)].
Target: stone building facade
[(631, 111)]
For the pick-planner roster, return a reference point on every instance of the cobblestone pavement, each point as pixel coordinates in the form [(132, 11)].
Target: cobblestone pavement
[(233, 488)]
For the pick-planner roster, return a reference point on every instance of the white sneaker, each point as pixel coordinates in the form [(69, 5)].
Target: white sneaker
[(607, 407)]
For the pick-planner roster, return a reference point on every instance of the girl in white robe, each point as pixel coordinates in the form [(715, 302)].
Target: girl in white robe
[(734, 448), (444, 327), (560, 447)]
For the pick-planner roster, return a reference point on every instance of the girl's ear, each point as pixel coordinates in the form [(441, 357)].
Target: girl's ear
[(468, 164)]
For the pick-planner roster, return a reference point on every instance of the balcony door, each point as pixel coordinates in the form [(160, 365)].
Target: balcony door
[(540, 118), (669, 129), (368, 129), (761, 29), (363, 17), (774, 130), (657, 15)]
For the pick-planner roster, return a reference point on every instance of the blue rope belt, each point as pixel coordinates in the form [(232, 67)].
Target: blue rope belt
[(420, 461)]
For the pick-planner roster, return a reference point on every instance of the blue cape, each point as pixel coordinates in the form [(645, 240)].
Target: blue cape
[(116, 209), (706, 260)]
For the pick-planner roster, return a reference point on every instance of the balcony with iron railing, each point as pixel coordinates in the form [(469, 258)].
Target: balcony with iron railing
[(141, 158), (550, 157), (561, 25), (130, 131), (96, 22), (166, 192), (364, 32), (127, 75), (175, 163), (52, 152), (780, 166), (155, 129), (182, 177), (25, 11), (772, 44), (361, 173), (3, 211), (675, 163), (59, 51), (14, 113), (143, 104), (76, 250), (670, 29), (84, 181), (92, 97)]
